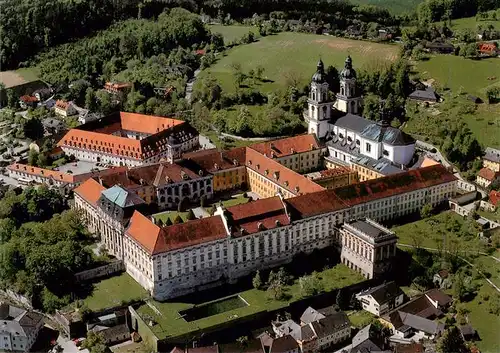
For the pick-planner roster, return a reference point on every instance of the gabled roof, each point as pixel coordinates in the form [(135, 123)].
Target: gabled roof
[(438, 296), (330, 324), (157, 240), (90, 191), (64, 177), (362, 342), (287, 146), (424, 94), (251, 217), (284, 344), (494, 197), (396, 184), (488, 174), (352, 122), (384, 292), (310, 315), (279, 174), (316, 203), (148, 124), (492, 154), (420, 323), (213, 160), (122, 197)]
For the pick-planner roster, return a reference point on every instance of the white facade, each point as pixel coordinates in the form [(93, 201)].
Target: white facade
[(170, 194), (371, 305)]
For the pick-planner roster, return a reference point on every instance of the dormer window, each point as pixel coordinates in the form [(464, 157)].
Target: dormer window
[(341, 136), (386, 152)]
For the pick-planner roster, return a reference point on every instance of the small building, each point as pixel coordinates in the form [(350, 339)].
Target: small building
[(441, 277), (18, 328), (474, 99), (364, 341), (116, 88), (468, 332), (86, 116), (53, 126), (488, 49), (114, 334), (405, 325), (491, 159), (486, 177), (494, 197), (27, 101), (427, 95), (381, 299), (367, 247), (439, 47), (438, 299), (64, 109), (284, 344)]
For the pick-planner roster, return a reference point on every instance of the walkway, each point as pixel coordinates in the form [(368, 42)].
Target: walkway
[(190, 84), (466, 261)]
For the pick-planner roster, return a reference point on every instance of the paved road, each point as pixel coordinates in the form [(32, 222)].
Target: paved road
[(205, 143), (466, 261), (190, 84), (438, 156)]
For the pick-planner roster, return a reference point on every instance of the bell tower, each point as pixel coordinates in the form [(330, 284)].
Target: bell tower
[(348, 99), (319, 105)]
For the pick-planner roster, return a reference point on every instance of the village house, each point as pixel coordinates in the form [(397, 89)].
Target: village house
[(486, 177), (491, 159), (27, 101), (64, 108), (441, 278), (117, 87), (488, 49), (19, 328), (381, 299), (53, 126), (427, 95)]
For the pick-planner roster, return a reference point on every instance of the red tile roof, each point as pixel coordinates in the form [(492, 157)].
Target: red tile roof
[(24, 168), (394, 184), (267, 213), (100, 138), (213, 160), (488, 48), (117, 85), (279, 174), (148, 124), (488, 174), (157, 240), (495, 197), (287, 146), (335, 171), (90, 191), (62, 104), (315, 203), (28, 99)]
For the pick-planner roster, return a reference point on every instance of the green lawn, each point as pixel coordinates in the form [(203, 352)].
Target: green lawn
[(170, 323), (470, 22), (227, 143), (233, 201), (394, 6), (490, 266), (461, 74), (170, 214), (231, 33), (485, 323), (361, 318), (288, 55), (114, 291)]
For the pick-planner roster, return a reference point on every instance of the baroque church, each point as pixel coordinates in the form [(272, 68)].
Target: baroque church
[(376, 147)]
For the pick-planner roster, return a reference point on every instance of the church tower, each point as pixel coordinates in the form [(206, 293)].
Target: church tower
[(319, 105), (348, 100)]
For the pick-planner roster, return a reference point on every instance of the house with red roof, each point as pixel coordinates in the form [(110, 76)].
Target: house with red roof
[(27, 101), (495, 198), (486, 177), (64, 108)]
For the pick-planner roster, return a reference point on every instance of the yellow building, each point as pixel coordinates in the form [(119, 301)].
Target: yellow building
[(301, 153), (334, 178), (491, 159), (227, 167)]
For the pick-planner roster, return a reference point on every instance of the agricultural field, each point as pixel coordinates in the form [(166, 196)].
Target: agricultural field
[(171, 324), (293, 56), (18, 77), (232, 33)]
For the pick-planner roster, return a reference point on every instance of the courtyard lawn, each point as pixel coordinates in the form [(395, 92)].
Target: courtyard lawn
[(114, 291), (233, 201), (460, 74), (361, 318), (170, 214), (232, 33), (170, 323), (293, 56)]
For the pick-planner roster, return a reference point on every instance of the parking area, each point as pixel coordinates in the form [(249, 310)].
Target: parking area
[(80, 167)]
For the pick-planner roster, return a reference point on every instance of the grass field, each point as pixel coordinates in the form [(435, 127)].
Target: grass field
[(295, 55), (114, 291), (470, 22), (171, 324), (361, 318), (231, 33), (18, 77), (485, 323), (460, 74)]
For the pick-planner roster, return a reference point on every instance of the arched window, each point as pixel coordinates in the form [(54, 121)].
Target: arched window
[(342, 90), (324, 112), (313, 95)]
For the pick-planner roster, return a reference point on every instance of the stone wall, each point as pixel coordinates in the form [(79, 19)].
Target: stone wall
[(101, 271)]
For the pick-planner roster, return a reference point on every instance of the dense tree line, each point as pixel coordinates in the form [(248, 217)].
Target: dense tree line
[(27, 26), (439, 10), (42, 246), (109, 51)]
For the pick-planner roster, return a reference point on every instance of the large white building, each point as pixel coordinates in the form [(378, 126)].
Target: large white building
[(350, 138), (182, 258), (129, 139)]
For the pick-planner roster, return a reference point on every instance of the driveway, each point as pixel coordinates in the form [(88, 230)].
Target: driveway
[(69, 346)]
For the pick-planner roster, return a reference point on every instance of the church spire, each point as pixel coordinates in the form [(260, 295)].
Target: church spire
[(319, 76)]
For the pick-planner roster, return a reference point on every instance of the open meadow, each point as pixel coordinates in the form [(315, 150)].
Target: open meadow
[(470, 22), (18, 77), (394, 6), (293, 56), (231, 33)]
